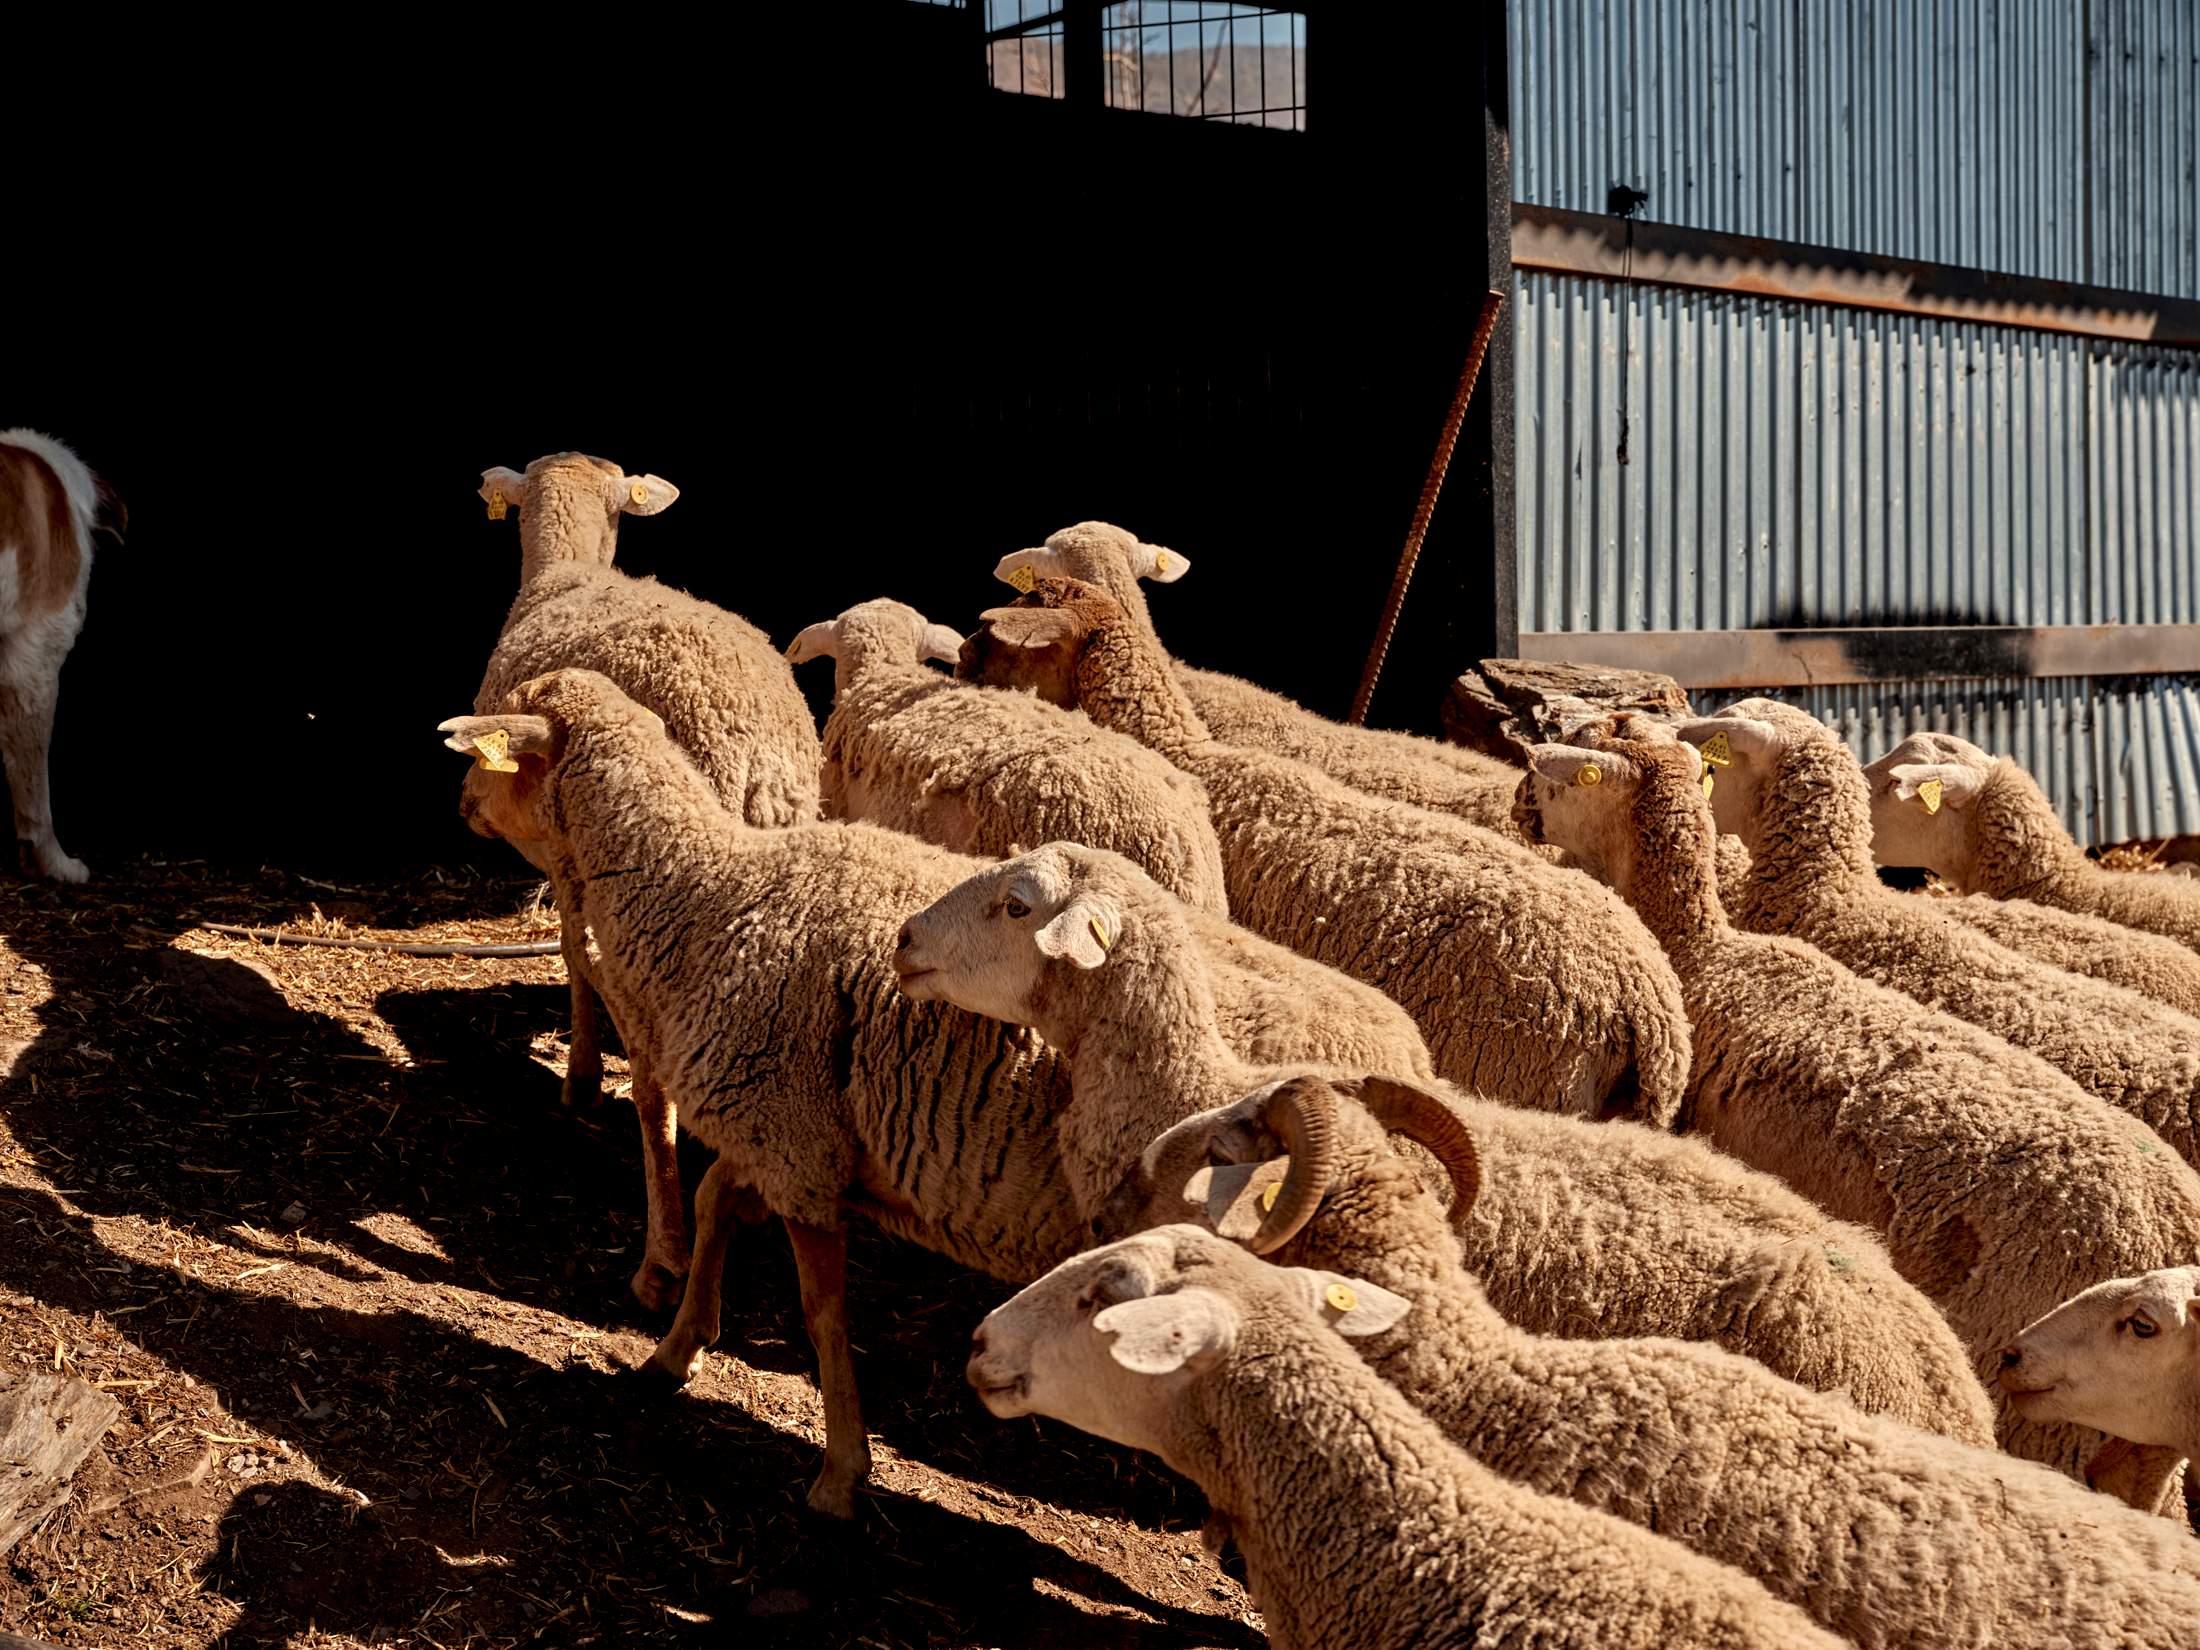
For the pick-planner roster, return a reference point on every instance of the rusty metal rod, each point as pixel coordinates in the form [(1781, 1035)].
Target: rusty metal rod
[(1431, 489), (403, 948)]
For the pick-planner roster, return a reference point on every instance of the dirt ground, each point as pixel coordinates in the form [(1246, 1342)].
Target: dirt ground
[(316, 1219)]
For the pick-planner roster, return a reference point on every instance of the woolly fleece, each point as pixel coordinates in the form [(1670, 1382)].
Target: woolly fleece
[(1582, 1229), (1999, 1186), (981, 771), (1362, 1526), (1532, 984), (1894, 1538), (1802, 807)]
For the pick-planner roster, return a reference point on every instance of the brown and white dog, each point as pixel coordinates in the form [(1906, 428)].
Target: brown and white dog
[(50, 505)]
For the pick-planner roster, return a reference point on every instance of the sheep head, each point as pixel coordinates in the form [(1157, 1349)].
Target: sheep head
[(1110, 1339), (1922, 792), (569, 506), (2122, 1356), (890, 631), (517, 747), (1587, 795), (1098, 553), (1226, 1169), (1036, 644), (1009, 942)]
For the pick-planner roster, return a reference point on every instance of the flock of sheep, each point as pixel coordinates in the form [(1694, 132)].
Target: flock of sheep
[(1581, 1206)]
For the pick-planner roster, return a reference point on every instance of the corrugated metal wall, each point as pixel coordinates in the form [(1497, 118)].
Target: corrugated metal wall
[(1691, 460)]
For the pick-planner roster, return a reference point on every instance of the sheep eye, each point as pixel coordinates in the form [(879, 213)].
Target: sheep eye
[(1017, 909), (2139, 1326)]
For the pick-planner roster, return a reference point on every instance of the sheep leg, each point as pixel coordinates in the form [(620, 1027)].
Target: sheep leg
[(821, 1258), (30, 683), (583, 1053), (665, 1259), (717, 1203)]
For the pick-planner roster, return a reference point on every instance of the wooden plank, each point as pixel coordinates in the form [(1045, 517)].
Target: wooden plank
[(1509, 705), (48, 1425), (1818, 658), (1560, 242)]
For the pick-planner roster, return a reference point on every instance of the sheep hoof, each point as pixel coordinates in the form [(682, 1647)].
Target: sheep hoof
[(39, 859), (582, 1094), (665, 1375), (658, 1287), (832, 1497)]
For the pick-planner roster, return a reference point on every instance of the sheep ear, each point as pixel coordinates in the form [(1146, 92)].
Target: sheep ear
[(817, 641), (1161, 1334), (645, 495), (1721, 738), (1232, 1195), (1083, 931), (1032, 627), (942, 644), (1935, 785), (1571, 765), (1353, 1307), (493, 741), (501, 489), (1162, 566), (1025, 568)]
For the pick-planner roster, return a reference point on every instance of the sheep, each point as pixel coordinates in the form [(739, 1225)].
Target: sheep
[(1882, 1533), (2122, 1356), (1981, 824), (981, 771), (50, 506), (1402, 766), (1795, 796), (1583, 1229), (754, 966), (1532, 984), (1362, 1526), (1997, 1182), (718, 683)]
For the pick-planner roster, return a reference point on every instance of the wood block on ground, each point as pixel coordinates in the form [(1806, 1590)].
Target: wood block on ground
[(1508, 705), (48, 1425)]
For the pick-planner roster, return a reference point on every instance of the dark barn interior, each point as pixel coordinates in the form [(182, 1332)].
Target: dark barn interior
[(878, 321)]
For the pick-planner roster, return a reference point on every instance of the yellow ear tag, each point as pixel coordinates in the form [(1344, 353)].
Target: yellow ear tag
[(639, 493), (1929, 794), (1708, 777), (1161, 561), (493, 751), (1268, 1197), (1340, 1296), (1098, 933), (1717, 752), (496, 506), (1589, 774), (1023, 578)]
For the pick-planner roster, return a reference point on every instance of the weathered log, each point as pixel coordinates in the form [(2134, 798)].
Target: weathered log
[(1509, 705), (48, 1425), (15, 1641)]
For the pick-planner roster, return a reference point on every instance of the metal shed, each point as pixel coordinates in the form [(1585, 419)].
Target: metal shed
[(1859, 342)]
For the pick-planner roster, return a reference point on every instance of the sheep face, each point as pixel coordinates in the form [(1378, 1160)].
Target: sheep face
[(1209, 1170), (1922, 792), (991, 944), (1110, 1339), (570, 504), (1579, 800), (2123, 1356), (503, 791), (1744, 745)]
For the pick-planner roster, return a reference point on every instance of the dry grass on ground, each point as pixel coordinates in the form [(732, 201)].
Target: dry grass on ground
[(316, 1219)]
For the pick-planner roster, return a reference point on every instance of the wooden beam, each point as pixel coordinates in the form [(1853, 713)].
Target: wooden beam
[(1819, 658), (48, 1425), (1557, 242)]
